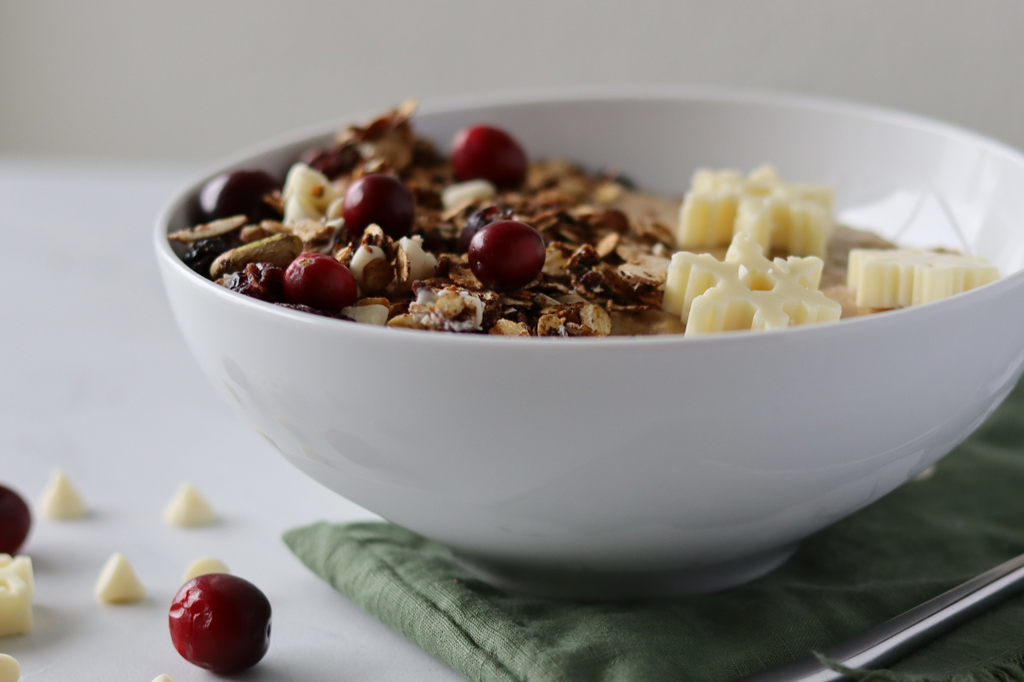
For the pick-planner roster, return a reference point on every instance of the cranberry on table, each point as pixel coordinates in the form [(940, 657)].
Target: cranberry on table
[(506, 255), (15, 520), (483, 152), (239, 193), (320, 282), (381, 199), (220, 622)]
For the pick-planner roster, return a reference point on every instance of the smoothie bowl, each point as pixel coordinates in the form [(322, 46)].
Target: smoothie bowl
[(583, 464)]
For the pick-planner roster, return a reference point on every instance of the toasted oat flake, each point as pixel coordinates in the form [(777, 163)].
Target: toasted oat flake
[(449, 309)]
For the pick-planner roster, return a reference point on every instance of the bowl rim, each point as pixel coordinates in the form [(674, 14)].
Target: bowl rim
[(595, 93)]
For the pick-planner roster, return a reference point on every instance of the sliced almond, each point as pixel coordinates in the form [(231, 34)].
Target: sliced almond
[(311, 230), (209, 230), (509, 328), (377, 275), (405, 321), (607, 245)]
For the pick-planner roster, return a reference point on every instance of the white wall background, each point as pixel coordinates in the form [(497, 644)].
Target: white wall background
[(196, 79)]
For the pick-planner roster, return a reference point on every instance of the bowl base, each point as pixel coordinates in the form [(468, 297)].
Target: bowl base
[(626, 585)]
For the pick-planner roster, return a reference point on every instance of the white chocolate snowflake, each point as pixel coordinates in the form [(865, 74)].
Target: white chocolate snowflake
[(746, 290), (793, 217)]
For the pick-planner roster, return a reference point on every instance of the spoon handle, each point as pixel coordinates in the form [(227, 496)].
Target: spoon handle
[(897, 637)]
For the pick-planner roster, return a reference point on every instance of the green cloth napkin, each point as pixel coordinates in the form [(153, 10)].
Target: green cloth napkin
[(917, 542)]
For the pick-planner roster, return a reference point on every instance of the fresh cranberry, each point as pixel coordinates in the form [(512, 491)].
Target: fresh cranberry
[(239, 193), (477, 219), (488, 153), (506, 255), (319, 281), (220, 622), (15, 520), (381, 199)]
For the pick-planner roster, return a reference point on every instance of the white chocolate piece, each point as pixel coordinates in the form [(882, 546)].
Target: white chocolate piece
[(796, 218), (162, 678), (367, 314), (422, 265), (60, 500), (118, 583), (464, 193), (20, 566), (10, 671), (15, 605), (363, 255), (188, 509), (896, 278), (746, 290), (17, 588), (307, 194), (203, 566), (924, 475), (707, 219)]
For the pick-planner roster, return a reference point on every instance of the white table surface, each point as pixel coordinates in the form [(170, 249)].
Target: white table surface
[(97, 380)]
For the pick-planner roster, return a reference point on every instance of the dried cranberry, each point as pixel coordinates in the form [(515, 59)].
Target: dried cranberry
[(260, 280), (220, 622), (200, 254), (488, 153), (381, 199), (239, 193), (333, 162), (319, 281), (15, 521), (506, 255)]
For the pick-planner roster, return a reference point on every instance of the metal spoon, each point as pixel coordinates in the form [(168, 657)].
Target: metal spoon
[(895, 638)]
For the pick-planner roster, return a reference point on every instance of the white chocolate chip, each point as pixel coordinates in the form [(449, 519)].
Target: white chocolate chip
[(20, 566), (307, 194), (203, 566), (10, 671), (118, 582), (422, 265), (363, 255), (188, 509), (367, 314), (465, 193), (60, 500), (17, 587), (162, 678)]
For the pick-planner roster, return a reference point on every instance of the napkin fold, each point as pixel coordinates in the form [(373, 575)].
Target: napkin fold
[(915, 543)]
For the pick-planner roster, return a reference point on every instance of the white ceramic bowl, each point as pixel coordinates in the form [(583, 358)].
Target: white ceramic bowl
[(622, 468)]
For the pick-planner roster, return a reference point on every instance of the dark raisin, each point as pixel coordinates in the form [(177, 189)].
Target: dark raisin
[(332, 162), (260, 280), (202, 253)]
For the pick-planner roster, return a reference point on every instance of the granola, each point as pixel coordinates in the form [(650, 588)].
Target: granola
[(604, 247)]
